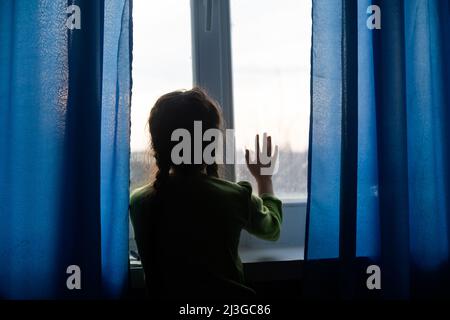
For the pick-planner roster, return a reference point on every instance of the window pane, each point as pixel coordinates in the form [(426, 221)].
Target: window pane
[(162, 63), (271, 43)]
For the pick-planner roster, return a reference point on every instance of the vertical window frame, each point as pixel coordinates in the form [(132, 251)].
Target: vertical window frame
[(212, 57)]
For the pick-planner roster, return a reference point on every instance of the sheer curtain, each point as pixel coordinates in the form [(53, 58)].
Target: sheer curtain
[(379, 173), (64, 147)]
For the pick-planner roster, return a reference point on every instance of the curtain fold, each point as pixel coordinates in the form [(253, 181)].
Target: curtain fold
[(326, 113), (64, 146), (402, 212), (115, 145)]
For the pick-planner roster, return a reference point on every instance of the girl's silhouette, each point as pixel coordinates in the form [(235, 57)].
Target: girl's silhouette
[(188, 222)]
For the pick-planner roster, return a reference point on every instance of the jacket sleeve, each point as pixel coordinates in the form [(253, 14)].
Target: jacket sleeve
[(265, 214)]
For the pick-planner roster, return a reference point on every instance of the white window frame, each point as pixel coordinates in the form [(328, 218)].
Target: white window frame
[(212, 70)]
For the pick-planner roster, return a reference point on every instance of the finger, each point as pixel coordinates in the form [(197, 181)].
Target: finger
[(265, 146), (275, 155), (257, 150)]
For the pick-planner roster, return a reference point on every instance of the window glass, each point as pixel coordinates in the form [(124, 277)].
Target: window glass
[(162, 62), (271, 43)]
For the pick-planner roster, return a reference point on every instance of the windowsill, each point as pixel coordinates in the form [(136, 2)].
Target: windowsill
[(294, 202), (255, 255), (260, 265)]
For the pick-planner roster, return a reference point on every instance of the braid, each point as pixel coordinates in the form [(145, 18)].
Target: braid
[(212, 170), (162, 175)]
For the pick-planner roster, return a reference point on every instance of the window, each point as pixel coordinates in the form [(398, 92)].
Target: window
[(162, 63), (263, 47), (271, 77), (270, 71)]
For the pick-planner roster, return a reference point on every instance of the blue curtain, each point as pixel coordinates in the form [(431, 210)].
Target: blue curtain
[(379, 145), (64, 148)]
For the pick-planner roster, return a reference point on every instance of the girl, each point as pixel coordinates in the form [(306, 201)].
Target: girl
[(188, 221)]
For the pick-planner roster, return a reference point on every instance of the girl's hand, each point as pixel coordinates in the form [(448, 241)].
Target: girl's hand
[(263, 167)]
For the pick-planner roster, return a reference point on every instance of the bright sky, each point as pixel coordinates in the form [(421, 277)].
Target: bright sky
[(271, 42)]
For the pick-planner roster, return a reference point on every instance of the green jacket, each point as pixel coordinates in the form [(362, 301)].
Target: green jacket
[(192, 228)]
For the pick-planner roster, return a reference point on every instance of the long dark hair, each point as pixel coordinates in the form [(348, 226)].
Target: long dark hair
[(179, 110)]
